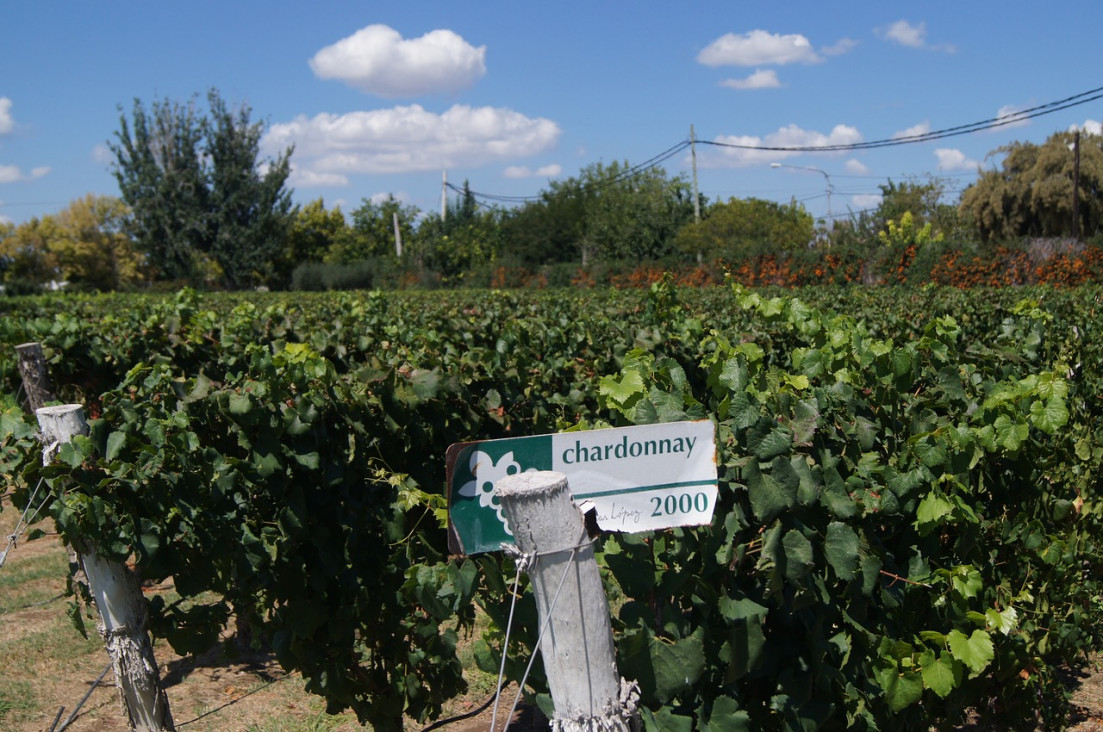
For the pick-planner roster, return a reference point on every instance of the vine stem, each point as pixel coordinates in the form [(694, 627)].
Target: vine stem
[(896, 577)]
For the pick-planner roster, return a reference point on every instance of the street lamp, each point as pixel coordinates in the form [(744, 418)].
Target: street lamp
[(815, 170)]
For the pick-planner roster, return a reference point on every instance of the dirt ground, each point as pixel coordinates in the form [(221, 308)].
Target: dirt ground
[(46, 669)]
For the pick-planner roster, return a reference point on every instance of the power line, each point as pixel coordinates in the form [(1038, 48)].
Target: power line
[(1009, 119), (605, 183), (1023, 115)]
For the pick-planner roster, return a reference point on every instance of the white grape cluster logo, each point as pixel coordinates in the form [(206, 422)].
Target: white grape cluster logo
[(487, 473)]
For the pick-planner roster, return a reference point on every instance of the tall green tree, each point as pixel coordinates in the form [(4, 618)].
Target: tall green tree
[(249, 205), (466, 238), (162, 179), (371, 232), (203, 203), (608, 212), (550, 230), (313, 231), (926, 201), (744, 225), (1031, 193)]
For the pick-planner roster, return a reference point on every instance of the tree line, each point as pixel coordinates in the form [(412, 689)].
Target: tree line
[(198, 204)]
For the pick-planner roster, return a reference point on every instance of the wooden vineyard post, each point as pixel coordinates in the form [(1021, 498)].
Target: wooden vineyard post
[(577, 638), (118, 599), (36, 382), (36, 385)]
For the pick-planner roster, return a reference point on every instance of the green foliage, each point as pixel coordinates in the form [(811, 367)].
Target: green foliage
[(314, 230), (607, 213), (83, 245), (1031, 193), (743, 225), (906, 233), (371, 233), (907, 527), (464, 241), (249, 207), (882, 520), (201, 209)]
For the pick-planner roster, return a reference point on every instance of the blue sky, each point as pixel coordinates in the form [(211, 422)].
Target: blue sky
[(380, 98)]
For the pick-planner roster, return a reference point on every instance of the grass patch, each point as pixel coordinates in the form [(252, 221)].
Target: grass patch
[(16, 699), (320, 722)]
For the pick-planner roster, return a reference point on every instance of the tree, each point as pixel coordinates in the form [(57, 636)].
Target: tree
[(1032, 191), (26, 261), (312, 232), (547, 231), (633, 215), (750, 224), (372, 231), (198, 192), (609, 212), (466, 238), (162, 179), (249, 208), (924, 200), (93, 250), (83, 245)]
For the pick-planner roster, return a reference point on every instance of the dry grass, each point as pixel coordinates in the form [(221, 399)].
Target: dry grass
[(46, 665)]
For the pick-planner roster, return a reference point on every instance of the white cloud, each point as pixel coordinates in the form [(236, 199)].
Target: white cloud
[(101, 153), (866, 200), (1090, 126), (12, 174), (843, 45), (4, 219), (789, 136), (7, 122), (523, 171), (408, 138), (304, 178), (757, 48), (912, 36), (952, 159), (760, 79), (383, 197), (856, 167), (376, 59), (904, 33), (915, 130), (1010, 110)]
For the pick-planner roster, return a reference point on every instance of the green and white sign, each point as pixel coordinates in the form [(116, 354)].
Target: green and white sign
[(639, 478)]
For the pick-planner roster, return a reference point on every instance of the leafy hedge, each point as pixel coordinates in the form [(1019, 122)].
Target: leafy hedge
[(908, 515), (906, 530)]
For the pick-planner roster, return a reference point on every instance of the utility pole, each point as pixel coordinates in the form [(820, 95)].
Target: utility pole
[(1076, 186), (696, 197), (444, 197), (693, 156), (397, 236)]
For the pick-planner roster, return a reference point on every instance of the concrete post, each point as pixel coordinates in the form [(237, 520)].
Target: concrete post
[(118, 599), (577, 646)]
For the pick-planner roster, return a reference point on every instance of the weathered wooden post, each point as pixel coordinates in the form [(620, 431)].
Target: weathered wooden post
[(577, 645), (36, 382), (36, 385), (118, 599)]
